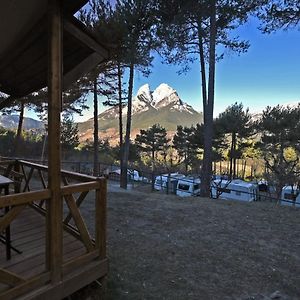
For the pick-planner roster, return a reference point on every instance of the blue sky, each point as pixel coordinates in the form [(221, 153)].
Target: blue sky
[(268, 74)]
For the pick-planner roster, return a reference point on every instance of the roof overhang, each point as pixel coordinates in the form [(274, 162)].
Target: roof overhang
[(24, 46)]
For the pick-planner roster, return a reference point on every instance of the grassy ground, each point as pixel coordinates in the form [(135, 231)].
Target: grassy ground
[(166, 247)]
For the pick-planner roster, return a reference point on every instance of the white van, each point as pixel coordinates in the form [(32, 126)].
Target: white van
[(161, 182), (188, 186), (290, 195), (234, 190), (132, 174)]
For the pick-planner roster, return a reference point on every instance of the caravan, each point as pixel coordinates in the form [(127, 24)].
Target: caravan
[(290, 195), (188, 186), (161, 182), (234, 190)]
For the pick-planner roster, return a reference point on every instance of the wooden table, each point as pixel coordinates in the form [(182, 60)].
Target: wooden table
[(4, 184)]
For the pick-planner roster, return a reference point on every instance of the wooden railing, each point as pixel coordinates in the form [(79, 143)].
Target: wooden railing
[(75, 188)]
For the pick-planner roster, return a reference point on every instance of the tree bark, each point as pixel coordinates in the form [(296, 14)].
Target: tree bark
[(234, 154), (96, 129), (123, 183), (202, 68), (208, 118), (120, 113), (231, 156), (19, 130)]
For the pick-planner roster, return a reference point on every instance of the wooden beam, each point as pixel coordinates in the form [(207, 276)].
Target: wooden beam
[(81, 226), (82, 36), (10, 278), (79, 187), (27, 180), (69, 174), (10, 216), (82, 68), (100, 218), (54, 245), (24, 198), (26, 287), (77, 262), (72, 282), (78, 203)]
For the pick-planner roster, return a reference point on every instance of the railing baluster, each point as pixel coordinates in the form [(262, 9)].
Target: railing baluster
[(78, 203), (100, 217), (28, 179)]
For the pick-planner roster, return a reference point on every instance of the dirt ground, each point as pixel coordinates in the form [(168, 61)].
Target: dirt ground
[(166, 247)]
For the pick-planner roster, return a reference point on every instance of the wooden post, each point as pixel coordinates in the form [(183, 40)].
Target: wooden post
[(54, 206), (100, 217)]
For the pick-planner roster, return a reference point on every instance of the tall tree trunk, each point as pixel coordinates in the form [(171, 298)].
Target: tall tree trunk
[(120, 113), (208, 119), (19, 130), (96, 129), (244, 169), (234, 154), (202, 68), (186, 163), (231, 156), (153, 159), (123, 183)]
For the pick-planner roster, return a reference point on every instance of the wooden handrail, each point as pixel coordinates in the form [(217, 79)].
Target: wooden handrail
[(73, 175), (80, 187), (24, 198)]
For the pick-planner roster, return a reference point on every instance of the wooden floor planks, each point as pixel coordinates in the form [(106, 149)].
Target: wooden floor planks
[(28, 236)]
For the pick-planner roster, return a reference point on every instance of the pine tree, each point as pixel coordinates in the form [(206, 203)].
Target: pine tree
[(236, 122), (69, 134), (185, 141), (153, 141), (278, 14), (280, 144), (136, 19), (194, 28)]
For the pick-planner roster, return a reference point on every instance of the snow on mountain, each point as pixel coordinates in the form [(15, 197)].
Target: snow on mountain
[(164, 95), (110, 113), (144, 93), (162, 106), (184, 107), (142, 100)]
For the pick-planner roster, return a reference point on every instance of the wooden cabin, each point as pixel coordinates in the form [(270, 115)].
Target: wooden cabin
[(54, 248)]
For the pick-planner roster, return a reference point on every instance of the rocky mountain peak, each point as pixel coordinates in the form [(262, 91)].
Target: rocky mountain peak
[(162, 106), (144, 93), (161, 92), (162, 96)]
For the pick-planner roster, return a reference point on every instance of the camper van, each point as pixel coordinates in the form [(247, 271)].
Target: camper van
[(234, 190), (131, 174), (161, 182), (290, 196), (188, 186)]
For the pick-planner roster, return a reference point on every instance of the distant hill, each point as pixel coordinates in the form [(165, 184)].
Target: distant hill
[(162, 106), (11, 122)]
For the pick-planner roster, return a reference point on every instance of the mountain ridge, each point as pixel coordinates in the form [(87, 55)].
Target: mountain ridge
[(162, 106), (11, 122)]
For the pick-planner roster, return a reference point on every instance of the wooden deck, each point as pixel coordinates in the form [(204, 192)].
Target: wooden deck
[(83, 257), (28, 234)]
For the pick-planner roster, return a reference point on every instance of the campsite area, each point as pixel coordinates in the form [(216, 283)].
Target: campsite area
[(167, 247)]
